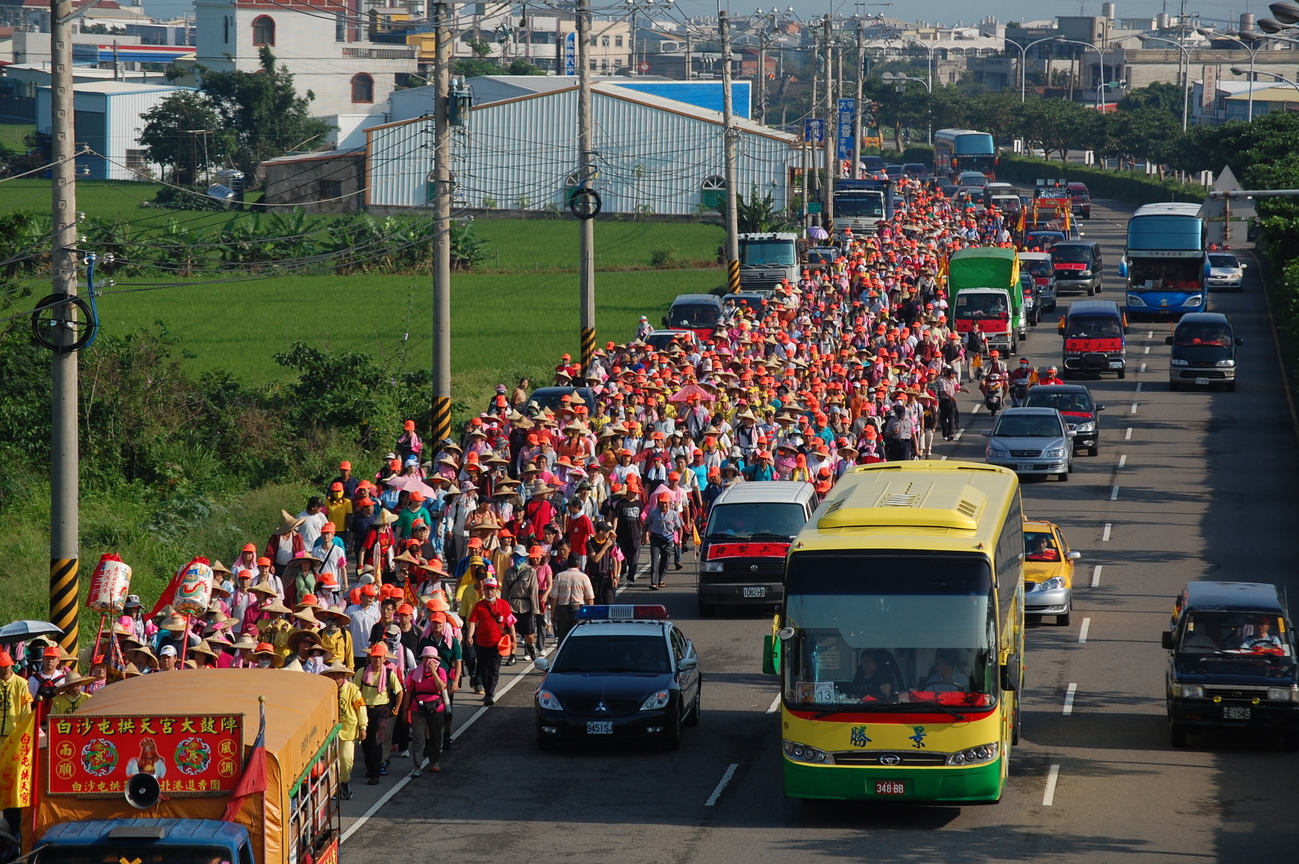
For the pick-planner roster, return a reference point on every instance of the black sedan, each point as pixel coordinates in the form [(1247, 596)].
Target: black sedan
[(623, 673), (1076, 405)]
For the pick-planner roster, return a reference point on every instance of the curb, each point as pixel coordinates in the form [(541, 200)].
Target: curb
[(1276, 343)]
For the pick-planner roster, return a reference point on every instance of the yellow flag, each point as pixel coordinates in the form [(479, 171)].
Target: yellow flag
[(16, 764)]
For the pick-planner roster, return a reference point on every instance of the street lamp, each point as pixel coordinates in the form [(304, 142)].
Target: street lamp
[(1186, 83), (1239, 38), (1100, 91), (900, 81), (1023, 60)]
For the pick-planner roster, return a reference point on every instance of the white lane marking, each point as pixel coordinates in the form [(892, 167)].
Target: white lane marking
[(1114, 493), (959, 433), (721, 784), (775, 705), (1123, 460), (975, 409), (1127, 436), (1134, 408), (1068, 699), (1143, 367), (1147, 351), (401, 784), (942, 458), (1105, 535), (1096, 573), (1150, 335), (1082, 631), (1138, 386), (1052, 777)]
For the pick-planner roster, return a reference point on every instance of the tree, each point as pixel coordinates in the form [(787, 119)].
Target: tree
[(472, 67), (1142, 134), (1057, 124), (759, 213), (169, 138), (481, 47), (1161, 95), (994, 113), (522, 67), (263, 112)]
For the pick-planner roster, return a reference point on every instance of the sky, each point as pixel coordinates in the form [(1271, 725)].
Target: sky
[(934, 11)]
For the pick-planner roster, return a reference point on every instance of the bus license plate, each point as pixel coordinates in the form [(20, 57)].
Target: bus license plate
[(758, 591), (1201, 382), (599, 727), (1231, 713), (890, 787)]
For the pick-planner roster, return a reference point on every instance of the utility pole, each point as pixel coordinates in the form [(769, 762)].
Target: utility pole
[(64, 445), (857, 114), (761, 114), (728, 143), (441, 427), (827, 203), (687, 64), (586, 175)]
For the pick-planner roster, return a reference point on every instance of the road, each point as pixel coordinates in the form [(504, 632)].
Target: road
[(1186, 485)]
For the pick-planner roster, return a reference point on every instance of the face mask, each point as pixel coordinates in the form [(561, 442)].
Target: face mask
[(263, 663)]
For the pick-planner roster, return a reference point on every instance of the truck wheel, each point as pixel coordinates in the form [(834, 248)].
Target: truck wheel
[(1177, 734), (1123, 373)]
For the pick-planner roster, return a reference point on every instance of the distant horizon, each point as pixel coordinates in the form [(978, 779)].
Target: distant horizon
[(932, 11)]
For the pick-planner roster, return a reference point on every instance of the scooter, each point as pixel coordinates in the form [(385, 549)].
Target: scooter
[(994, 393), (1019, 393)]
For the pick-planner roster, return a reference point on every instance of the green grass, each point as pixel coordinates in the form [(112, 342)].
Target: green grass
[(551, 244), (12, 136), (96, 198), (503, 325)]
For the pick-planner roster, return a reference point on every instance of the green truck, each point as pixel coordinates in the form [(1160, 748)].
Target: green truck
[(983, 287)]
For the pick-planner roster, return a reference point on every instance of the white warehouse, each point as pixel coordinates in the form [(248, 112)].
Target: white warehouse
[(654, 155)]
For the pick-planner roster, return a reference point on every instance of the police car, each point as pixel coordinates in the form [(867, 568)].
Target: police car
[(622, 673)]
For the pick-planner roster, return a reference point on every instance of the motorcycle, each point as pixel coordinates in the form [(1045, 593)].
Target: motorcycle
[(1019, 393), (994, 392)]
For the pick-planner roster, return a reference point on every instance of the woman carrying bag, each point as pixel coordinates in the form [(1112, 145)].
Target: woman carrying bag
[(426, 697)]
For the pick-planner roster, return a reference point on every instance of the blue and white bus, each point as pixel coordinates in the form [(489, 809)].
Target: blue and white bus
[(957, 150), (1165, 260)]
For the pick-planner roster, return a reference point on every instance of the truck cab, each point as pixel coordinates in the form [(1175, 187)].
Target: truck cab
[(768, 259), (175, 841), (860, 205)]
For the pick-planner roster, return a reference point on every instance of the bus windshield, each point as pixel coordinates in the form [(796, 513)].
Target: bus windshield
[(779, 252), (859, 204), (971, 305), (877, 630)]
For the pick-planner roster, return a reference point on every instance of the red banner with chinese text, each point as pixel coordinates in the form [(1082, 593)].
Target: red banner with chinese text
[(190, 755)]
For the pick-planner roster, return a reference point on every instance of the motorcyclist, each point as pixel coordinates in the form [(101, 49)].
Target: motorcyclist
[(1021, 379), (1051, 377)]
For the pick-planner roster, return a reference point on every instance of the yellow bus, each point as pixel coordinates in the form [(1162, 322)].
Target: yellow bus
[(901, 640)]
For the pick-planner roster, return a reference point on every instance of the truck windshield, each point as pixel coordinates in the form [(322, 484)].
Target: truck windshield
[(875, 631), (1092, 327), (694, 316), (1233, 633), (755, 521), (113, 853), (777, 252), (971, 305), (859, 204)]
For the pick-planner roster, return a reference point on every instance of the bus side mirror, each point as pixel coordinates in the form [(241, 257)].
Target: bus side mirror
[(770, 655), (1010, 673), (1168, 340), (1166, 639)]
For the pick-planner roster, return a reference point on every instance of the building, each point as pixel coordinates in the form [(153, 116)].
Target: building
[(654, 155), (330, 182), (108, 122), (324, 44)]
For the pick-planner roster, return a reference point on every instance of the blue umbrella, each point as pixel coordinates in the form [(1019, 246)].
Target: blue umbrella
[(27, 629)]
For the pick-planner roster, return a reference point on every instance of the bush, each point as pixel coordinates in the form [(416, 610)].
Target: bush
[(1121, 185), (664, 258)]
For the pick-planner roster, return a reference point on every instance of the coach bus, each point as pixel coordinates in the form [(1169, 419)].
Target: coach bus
[(901, 642), (1165, 260), (957, 150)]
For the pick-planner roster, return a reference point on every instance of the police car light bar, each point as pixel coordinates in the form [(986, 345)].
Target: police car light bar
[(622, 613)]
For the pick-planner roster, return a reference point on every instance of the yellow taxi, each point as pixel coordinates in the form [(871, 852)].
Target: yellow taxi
[(1048, 571)]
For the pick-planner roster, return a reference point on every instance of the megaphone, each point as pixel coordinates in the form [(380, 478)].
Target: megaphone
[(143, 791)]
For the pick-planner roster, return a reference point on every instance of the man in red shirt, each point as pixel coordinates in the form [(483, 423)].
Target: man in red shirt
[(578, 529), (489, 620)]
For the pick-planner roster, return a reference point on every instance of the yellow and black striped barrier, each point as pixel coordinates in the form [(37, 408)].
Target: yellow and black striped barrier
[(63, 600), (732, 276), (588, 346), (441, 428)]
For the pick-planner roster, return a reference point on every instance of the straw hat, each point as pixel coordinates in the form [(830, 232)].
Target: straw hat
[(245, 642), (175, 623), (277, 606), (218, 567), (387, 517), (406, 558), (337, 668), (265, 588), (288, 522), (337, 610), (306, 615), (203, 648), (296, 637), (131, 671), (144, 649)]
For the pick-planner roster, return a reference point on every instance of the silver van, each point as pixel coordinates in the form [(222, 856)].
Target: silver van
[(742, 551)]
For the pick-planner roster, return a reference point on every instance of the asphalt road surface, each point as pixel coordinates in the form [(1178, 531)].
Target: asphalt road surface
[(1187, 485)]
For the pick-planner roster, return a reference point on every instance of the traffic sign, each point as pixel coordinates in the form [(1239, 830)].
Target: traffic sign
[(643, 67), (814, 130)]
